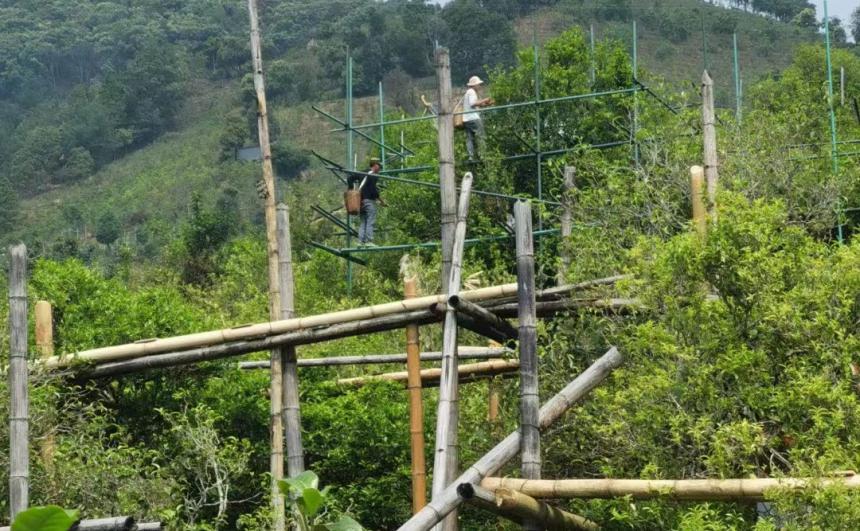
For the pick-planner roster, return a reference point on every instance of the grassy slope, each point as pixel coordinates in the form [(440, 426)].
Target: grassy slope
[(156, 182)]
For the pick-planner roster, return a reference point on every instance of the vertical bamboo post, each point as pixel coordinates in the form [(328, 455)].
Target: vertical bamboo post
[(566, 223), (737, 75), (493, 401), (45, 348), (291, 414), (276, 458), (416, 407), (529, 397), (697, 177), (44, 329), (445, 460), (19, 453), (447, 180), (709, 133), (842, 85)]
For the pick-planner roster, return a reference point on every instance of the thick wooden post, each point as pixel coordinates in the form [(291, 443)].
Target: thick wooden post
[(697, 177), (447, 180), (566, 223), (416, 407), (446, 460), (276, 459), (529, 396), (709, 134), (292, 417), (19, 452)]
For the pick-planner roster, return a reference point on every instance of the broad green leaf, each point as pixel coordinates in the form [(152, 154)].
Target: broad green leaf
[(307, 480), (345, 523), (47, 518), (313, 501)]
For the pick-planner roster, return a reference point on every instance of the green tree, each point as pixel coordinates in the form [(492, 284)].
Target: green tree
[(478, 39), (8, 206), (107, 228)]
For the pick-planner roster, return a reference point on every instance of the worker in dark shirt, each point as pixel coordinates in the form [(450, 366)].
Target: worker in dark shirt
[(370, 202)]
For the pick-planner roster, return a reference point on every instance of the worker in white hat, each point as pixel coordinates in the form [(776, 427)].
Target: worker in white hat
[(472, 120)]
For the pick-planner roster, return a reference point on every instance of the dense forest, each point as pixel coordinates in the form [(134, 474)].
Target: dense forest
[(119, 125)]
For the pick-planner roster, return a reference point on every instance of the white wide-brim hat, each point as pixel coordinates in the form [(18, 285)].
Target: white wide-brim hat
[(474, 81)]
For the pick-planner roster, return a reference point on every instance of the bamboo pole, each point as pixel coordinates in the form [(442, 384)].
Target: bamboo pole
[(431, 376), (45, 347), (382, 359), (256, 331), (445, 462), (549, 308), (276, 459), (447, 500), (493, 401), (482, 315), (114, 523), (676, 489), (518, 507), (529, 395), (709, 134), (447, 179), (291, 413), (19, 416), (301, 337), (44, 329), (416, 407), (149, 526), (566, 222), (696, 180)]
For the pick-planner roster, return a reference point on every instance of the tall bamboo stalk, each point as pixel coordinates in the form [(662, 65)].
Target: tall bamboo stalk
[(448, 500), (529, 396), (45, 347), (566, 222), (709, 135), (416, 407), (676, 489), (19, 416), (446, 459), (447, 179), (292, 417), (276, 460)]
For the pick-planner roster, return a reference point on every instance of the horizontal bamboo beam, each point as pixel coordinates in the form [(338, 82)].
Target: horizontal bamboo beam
[(518, 507), (373, 359), (302, 337), (429, 376), (676, 489), (482, 315), (254, 331), (150, 526), (503, 452), (114, 523), (545, 308)]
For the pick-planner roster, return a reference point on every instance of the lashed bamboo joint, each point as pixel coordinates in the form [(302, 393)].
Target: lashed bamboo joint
[(518, 507), (677, 489)]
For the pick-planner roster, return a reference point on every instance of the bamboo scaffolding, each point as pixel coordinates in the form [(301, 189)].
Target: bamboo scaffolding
[(479, 327), (446, 458), (260, 330), (19, 411), (447, 500), (301, 337), (529, 396), (432, 376), (518, 507), (291, 413), (676, 489), (149, 526), (382, 359), (44, 330), (416, 407), (482, 315)]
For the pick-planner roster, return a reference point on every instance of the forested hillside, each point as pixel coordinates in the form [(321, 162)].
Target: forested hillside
[(119, 125)]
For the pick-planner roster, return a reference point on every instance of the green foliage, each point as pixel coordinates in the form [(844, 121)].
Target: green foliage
[(48, 518), (306, 501), (289, 161), (107, 228)]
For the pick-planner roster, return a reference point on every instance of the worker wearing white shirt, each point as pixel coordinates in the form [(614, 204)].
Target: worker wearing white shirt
[(472, 120)]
